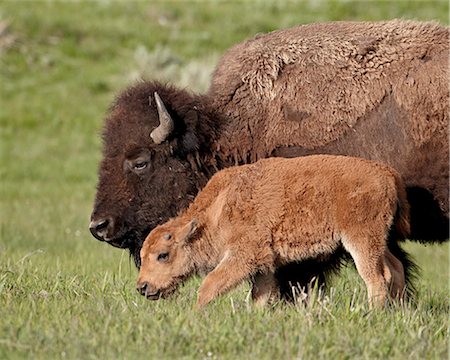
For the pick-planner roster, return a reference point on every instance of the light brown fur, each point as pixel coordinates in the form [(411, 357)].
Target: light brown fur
[(251, 219)]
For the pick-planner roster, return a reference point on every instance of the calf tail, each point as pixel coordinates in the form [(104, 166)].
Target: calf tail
[(401, 230)]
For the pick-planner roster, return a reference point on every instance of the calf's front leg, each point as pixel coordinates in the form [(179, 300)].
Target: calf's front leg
[(230, 272)]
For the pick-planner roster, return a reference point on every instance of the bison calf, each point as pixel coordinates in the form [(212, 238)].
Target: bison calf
[(251, 219)]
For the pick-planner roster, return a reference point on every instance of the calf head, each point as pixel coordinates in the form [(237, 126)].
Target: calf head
[(165, 259)]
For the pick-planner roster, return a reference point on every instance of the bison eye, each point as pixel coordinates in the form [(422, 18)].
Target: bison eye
[(137, 162), (140, 165), (163, 257)]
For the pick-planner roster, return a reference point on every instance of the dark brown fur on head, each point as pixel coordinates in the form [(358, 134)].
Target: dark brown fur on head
[(138, 199)]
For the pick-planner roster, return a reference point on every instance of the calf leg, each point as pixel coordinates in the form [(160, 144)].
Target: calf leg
[(394, 275), (371, 271), (368, 255), (265, 288), (230, 272)]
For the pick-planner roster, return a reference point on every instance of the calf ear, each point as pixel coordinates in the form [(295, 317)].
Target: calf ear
[(189, 230)]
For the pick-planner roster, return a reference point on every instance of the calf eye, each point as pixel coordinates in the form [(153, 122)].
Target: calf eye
[(163, 257)]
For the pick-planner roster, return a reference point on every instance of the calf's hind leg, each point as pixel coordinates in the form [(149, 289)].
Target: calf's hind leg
[(368, 255), (394, 275)]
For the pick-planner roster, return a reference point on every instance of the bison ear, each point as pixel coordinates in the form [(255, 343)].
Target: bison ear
[(189, 140), (166, 124), (189, 230)]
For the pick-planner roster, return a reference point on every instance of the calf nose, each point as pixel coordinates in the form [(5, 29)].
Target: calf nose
[(100, 228), (142, 288)]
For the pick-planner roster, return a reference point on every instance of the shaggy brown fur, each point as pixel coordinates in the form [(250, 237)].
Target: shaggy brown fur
[(344, 88), (372, 90), (249, 220)]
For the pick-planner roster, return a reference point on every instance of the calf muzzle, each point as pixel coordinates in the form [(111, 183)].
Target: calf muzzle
[(145, 289)]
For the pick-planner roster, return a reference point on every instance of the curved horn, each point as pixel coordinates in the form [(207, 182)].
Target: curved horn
[(165, 126)]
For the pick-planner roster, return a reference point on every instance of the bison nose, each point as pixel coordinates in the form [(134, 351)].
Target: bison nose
[(100, 228), (142, 288)]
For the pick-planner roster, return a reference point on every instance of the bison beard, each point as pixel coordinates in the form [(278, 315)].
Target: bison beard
[(372, 90)]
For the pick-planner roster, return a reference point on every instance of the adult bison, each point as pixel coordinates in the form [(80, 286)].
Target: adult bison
[(377, 90)]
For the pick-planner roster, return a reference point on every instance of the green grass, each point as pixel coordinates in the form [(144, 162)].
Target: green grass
[(65, 295), (59, 307)]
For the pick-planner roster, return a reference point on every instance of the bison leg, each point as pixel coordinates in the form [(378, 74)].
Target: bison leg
[(264, 289), (301, 276), (230, 272)]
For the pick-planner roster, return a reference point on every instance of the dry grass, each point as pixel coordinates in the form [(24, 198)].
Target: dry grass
[(7, 38), (164, 65)]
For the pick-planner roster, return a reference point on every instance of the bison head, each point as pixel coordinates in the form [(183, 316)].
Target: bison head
[(154, 155), (165, 260)]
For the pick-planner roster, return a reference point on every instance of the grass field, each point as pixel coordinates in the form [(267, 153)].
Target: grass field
[(64, 294)]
